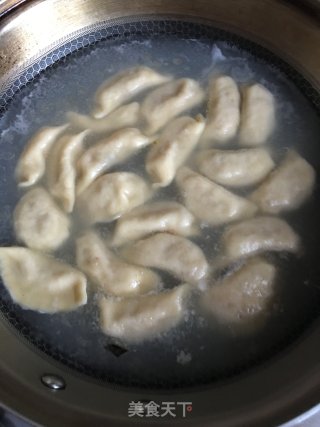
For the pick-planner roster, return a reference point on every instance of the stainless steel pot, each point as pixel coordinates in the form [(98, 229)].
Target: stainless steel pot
[(270, 394)]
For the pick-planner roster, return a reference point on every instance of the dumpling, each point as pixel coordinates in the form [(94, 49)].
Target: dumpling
[(120, 88), (154, 217), (223, 116), (242, 297), (112, 195), (32, 162), (61, 170), (140, 318), (124, 116), (168, 101), (110, 273), (174, 254), (257, 115), (235, 168), (172, 148), (210, 202), (257, 235), (107, 153), (39, 222), (40, 282), (287, 187)]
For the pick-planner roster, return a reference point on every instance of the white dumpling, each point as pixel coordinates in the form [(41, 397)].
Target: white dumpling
[(40, 282), (110, 273), (154, 217), (174, 254), (108, 152), (223, 116), (258, 235), (244, 296), (32, 162), (140, 318), (168, 101), (120, 88), (39, 222), (210, 202), (112, 195), (235, 168), (61, 170), (124, 116), (172, 149), (287, 187), (257, 115)]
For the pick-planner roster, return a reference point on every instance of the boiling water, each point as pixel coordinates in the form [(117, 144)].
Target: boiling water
[(198, 350)]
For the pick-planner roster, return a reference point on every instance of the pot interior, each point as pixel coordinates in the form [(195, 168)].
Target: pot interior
[(199, 351)]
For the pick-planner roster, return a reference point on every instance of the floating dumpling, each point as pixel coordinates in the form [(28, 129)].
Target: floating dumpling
[(61, 170), (257, 115), (112, 195), (154, 217), (287, 187), (168, 101), (242, 297), (235, 168), (172, 148), (40, 282), (210, 202), (110, 273), (107, 153), (32, 162), (223, 115), (257, 235), (120, 88), (124, 116), (174, 254), (39, 222), (136, 319)]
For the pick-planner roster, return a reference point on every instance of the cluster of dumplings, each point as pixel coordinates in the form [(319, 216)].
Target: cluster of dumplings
[(70, 170)]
